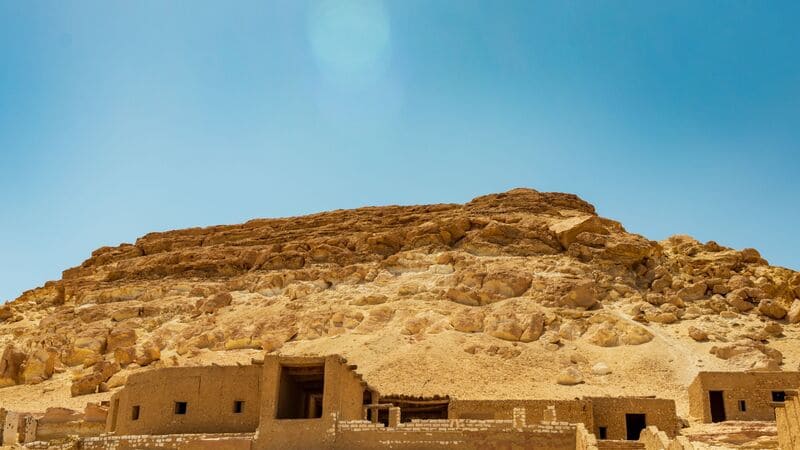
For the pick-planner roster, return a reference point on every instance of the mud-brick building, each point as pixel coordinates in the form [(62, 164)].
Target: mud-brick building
[(609, 418), (303, 398), (179, 400), (323, 403), (721, 396)]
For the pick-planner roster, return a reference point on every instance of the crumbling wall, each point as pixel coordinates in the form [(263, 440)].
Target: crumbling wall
[(209, 394), (755, 388), (655, 439), (229, 441), (10, 428), (610, 412), (27, 428), (584, 440), (573, 411), (57, 423), (470, 434), (788, 418)]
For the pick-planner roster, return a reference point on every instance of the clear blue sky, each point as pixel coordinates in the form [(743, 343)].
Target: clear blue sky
[(120, 118)]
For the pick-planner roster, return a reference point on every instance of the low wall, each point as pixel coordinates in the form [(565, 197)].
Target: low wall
[(471, 434), (232, 441), (573, 411), (456, 434)]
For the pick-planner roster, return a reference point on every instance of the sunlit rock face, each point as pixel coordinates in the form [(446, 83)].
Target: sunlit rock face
[(498, 297)]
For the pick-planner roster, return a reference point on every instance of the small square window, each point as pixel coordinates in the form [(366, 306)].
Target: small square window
[(742, 406), (778, 396), (603, 431), (238, 406), (135, 413), (180, 407)]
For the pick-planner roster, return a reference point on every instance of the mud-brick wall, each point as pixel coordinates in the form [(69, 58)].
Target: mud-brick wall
[(755, 388), (460, 439), (572, 411), (610, 412), (788, 418), (169, 442), (584, 440), (342, 398), (209, 393)]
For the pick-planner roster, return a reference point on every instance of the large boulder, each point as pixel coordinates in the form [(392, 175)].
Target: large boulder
[(502, 285), (85, 349), (6, 313), (11, 365), (534, 328), (86, 384), (744, 299), (567, 230), (39, 366), (582, 295), (772, 309), (121, 337), (693, 292), (793, 316), (697, 334), (569, 376), (467, 321), (506, 327)]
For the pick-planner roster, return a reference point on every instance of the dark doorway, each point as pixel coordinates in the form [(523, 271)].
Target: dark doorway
[(778, 396), (634, 424), (603, 433), (301, 391), (717, 406)]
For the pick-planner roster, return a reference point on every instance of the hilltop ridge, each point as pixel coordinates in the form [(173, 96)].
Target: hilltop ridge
[(520, 294)]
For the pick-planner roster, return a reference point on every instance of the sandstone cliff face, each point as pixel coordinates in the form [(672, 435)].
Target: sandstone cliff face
[(494, 297)]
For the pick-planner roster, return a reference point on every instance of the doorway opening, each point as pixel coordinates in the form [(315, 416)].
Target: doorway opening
[(634, 424), (301, 392), (717, 401)]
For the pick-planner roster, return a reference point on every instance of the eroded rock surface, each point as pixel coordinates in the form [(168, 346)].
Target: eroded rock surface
[(408, 291)]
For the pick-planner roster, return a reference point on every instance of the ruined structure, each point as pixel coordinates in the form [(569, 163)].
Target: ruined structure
[(721, 396), (324, 403), (468, 317), (181, 400)]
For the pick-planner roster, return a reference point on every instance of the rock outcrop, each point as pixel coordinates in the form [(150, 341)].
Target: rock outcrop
[(524, 276)]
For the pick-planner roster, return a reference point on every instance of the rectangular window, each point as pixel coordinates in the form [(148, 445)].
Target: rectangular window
[(180, 407), (742, 406), (603, 432), (778, 396), (238, 406), (135, 413)]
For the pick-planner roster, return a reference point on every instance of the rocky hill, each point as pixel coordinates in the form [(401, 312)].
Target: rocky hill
[(515, 295)]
